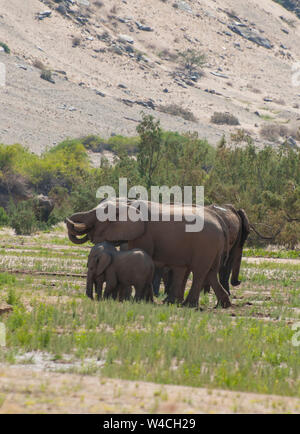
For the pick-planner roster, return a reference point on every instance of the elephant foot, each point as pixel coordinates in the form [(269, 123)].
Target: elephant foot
[(190, 303), (235, 282), (224, 302), (172, 300), (90, 295), (168, 300)]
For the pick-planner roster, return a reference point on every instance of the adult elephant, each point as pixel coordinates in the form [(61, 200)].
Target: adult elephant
[(238, 229), (167, 242), (237, 224)]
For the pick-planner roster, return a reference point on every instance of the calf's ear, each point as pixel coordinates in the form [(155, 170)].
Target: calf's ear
[(103, 262)]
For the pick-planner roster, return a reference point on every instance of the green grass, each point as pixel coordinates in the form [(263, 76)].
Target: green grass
[(262, 253), (164, 344), (245, 348)]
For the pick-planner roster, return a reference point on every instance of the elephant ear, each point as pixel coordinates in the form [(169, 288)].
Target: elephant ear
[(104, 261), (125, 230)]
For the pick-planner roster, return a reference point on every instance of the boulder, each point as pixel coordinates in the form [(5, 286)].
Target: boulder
[(125, 39), (44, 208), (252, 35)]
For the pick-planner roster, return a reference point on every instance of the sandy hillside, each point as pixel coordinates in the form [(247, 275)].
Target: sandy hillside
[(102, 84)]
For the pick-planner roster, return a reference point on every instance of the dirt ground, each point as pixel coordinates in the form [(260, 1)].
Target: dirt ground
[(71, 107), (27, 391)]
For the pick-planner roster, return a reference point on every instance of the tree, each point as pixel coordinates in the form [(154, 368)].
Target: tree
[(149, 147), (192, 59)]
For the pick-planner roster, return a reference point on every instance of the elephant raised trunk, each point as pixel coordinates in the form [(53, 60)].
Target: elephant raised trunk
[(78, 226)]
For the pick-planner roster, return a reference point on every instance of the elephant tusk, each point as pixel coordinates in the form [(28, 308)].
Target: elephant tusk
[(80, 226), (77, 226)]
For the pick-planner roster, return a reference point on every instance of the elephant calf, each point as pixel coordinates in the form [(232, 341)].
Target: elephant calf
[(120, 270)]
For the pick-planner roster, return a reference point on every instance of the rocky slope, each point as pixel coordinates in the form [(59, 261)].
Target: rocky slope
[(112, 59), (291, 5)]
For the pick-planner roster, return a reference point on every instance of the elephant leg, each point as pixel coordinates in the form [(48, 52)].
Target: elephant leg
[(99, 286), (149, 292), (110, 291), (167, 279), (139, 292), (157, 280), (224, 278), (127, 292), (90, 287), (206, 288), (176, 290), (221, 294), (192, 298)]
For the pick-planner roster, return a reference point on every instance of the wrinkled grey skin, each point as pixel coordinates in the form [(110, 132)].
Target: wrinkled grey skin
[(167, 242), (237, 223), (93, 279), (120, 270)]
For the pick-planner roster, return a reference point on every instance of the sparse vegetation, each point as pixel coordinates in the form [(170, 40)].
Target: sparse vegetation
[(151, 342), (39, 65), (177, 110), (5, 47), (241, 136), (47, 75), (272, 132), (166, 54), (224, 119), (76, 41), (192, 60)]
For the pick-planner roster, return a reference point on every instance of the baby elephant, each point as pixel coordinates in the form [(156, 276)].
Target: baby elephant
[(120, 270)]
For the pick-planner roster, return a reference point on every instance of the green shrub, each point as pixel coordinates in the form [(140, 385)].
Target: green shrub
[(3, 217), (22, 217), (47, 75), (177, 110), (272, 132), (5, 46), (192, 60), (224, 119)]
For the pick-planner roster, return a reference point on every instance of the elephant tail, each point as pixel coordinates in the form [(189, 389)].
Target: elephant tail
[(245, 228), (226, 251)]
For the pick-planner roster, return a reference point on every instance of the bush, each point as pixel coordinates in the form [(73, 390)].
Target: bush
[(192, 59), (177, 110), (22, 217), (272, 132), (47, 75), (76, 41), (39, 65), (241, 136), (5, 46), (224, 119), (3, 217)]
